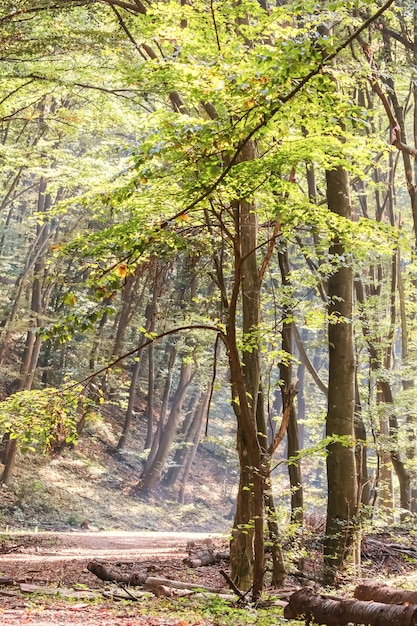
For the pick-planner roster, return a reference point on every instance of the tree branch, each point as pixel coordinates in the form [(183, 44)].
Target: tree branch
[(392, 33), (136, 7), (121, 358), (282, 100), (304, 357), (395, 125), (289, 395)]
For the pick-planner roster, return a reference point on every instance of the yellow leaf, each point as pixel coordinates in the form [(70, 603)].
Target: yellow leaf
[(122, 270)]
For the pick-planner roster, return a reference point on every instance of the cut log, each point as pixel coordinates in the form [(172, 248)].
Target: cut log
[(110, 575), (374, 590), (311, 606), (6, 580), (205, 557), (163, 591)]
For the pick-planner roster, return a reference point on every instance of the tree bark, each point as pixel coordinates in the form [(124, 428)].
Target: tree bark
[(172, 355), (191, 425), (378, 592), (247, 545), (130, 303), (9, 461), (151, 395), (285, 368), (364, 487), (341, 466), (198, 424)]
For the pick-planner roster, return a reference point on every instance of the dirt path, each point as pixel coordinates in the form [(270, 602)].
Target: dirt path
[(60, 560)]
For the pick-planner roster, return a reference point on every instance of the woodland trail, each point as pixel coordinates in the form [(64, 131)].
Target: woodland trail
[(59, 559)]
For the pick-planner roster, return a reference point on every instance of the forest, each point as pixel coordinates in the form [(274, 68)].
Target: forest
[(208, 235)]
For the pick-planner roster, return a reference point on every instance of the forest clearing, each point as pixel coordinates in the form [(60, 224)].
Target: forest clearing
[(208, 235)]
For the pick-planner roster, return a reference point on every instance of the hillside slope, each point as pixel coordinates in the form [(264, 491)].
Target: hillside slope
[(94, 486)]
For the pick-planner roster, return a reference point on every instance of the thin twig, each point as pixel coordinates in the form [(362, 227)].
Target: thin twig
[(213, 380), (232, 584)]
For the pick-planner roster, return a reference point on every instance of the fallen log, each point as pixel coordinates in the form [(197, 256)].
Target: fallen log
[(169, 592), (390, 548), (58, 591), (142, 578), (154, 581), (110, 575), (374, 590), (312, 606), (6, 580), (4, 592), (123, 594)]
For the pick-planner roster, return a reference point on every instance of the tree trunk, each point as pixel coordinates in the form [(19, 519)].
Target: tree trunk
[(364, 487), (341, 466), (33, 341), (9, 461), (130, 303), (394, 453), (301, 402), (388, 424), (328, 611), (153, 472), (96, 340), (150, 313), (407, 383), (247, 544), (151, 394), (188, 430), (278, 572), (36, 251), (285, 368), (172, 355), (197, 429)]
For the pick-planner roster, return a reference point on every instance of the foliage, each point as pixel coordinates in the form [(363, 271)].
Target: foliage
[(42, 419)]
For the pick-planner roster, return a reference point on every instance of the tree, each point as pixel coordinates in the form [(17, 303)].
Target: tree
[(342, 505)]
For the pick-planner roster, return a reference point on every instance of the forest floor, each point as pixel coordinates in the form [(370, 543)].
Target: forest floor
[(51, 586), (59, 514), (95, 488), (57, 562)]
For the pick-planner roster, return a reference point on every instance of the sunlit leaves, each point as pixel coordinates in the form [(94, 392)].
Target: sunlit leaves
[(42, 419)]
